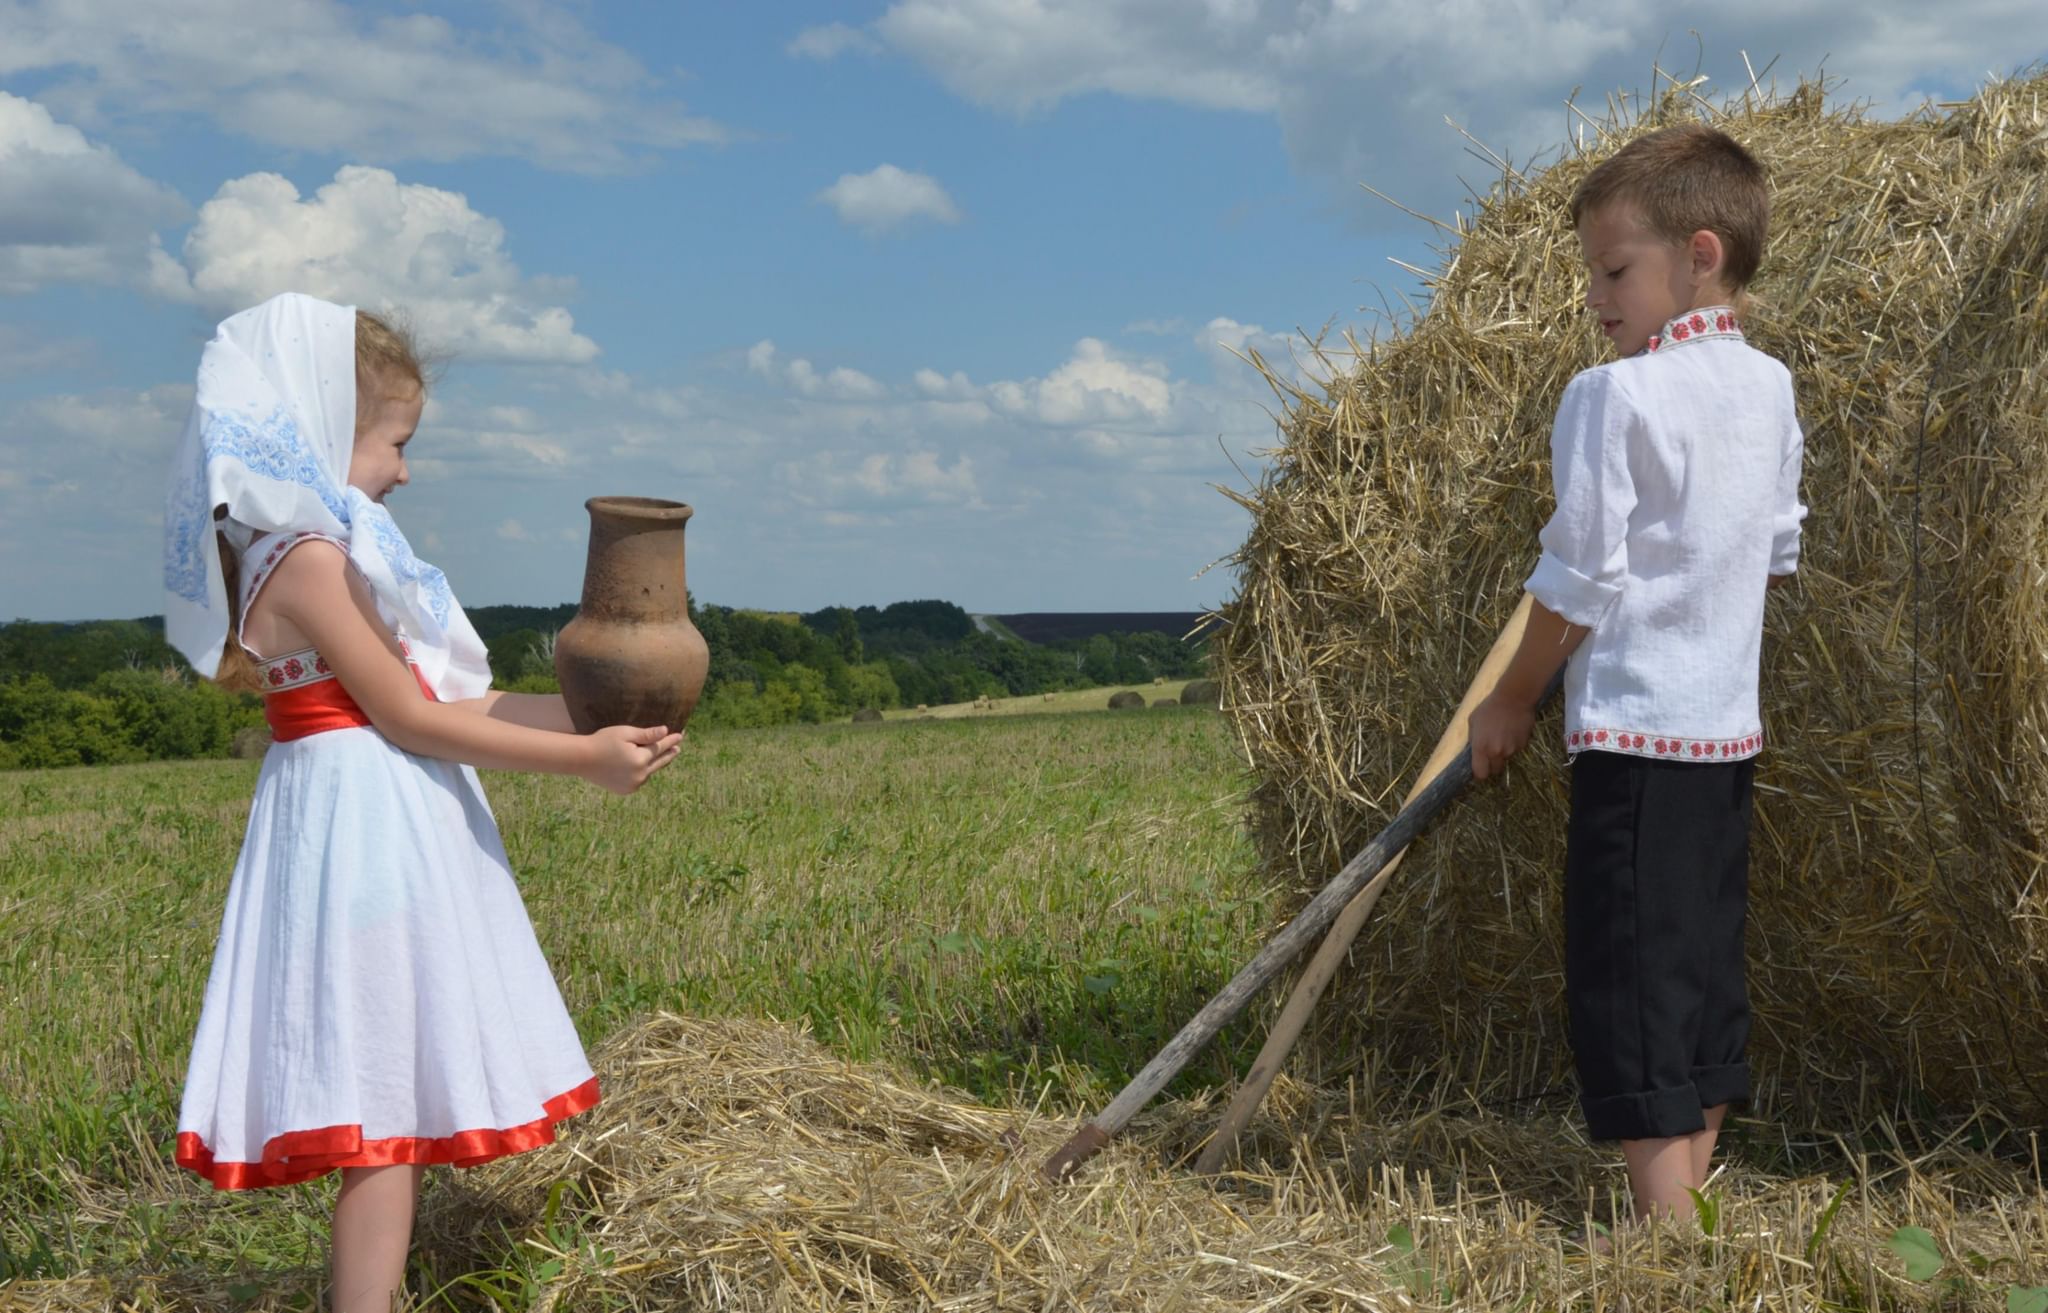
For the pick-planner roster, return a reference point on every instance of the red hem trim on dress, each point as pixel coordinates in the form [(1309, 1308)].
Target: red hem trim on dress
[(1663, 745), (299, 1156)]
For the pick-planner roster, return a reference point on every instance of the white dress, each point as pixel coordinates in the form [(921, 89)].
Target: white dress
[(377, 995)]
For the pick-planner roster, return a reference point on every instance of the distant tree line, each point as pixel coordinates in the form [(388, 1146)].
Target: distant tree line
[(775, 668), (105, 691)]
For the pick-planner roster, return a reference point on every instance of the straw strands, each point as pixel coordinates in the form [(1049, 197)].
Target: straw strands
[(734, 1165), (741, 1166), (1899, 910)]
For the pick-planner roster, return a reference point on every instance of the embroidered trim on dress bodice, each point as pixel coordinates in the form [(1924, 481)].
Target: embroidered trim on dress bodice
[(260, 560), (301, 694), (307, 666)]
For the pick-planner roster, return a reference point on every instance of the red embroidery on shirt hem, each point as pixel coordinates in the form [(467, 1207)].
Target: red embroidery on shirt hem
[(1658, 745)]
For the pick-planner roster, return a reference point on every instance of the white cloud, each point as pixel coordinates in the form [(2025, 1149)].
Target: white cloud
[(1094, 384), (1226, 342), (70, 210), (881, 479), (1361, 90), (83, 499), (318, 75), (26, 352), (1096, 468), (368, 239), (111, 423), (836, 384), (830, 41), (886, 198), (499, 447), (950, 387)]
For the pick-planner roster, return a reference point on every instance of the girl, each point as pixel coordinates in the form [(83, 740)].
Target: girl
[(377, 1000)]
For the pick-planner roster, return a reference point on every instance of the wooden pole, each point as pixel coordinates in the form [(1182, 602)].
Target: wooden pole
[(1308, 990), (1311, 921)]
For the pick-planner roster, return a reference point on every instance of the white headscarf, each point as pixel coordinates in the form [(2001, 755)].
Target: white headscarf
[(270, 438)]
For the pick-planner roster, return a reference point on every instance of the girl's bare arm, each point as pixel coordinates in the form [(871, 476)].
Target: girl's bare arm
[(534, 710), (316, 589)]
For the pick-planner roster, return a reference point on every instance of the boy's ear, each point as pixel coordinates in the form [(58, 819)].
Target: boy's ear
[(1707, 254)]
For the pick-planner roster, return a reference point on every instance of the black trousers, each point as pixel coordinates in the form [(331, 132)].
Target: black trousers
[(1656, 887)]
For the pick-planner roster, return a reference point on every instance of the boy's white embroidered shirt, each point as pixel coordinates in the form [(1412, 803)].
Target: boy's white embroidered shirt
[(1677, 480)]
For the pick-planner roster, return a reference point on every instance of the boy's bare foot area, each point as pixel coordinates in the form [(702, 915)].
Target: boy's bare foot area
[(1594, 1238)]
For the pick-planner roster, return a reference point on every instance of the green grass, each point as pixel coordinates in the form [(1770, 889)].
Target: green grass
[(1060, 703), (1007, 905)]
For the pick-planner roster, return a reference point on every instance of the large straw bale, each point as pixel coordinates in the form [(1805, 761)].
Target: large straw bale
[(1899, 923)]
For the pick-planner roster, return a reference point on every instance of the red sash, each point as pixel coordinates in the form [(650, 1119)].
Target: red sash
[(320, 704)]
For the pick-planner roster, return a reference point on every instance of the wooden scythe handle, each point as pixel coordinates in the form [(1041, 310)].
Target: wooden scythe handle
[(1287, 1027), (1281, 949)]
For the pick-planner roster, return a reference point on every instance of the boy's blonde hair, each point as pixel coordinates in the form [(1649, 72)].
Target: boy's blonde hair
[(1685, 179), (389, 363)]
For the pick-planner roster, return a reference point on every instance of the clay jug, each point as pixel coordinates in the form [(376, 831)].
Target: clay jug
[(631, 655)]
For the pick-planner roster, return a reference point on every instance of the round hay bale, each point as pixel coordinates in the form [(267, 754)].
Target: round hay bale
[(1899, 911), (1126, 699), (1201, 692), (251, 742), (866, 716), (1165, 702)]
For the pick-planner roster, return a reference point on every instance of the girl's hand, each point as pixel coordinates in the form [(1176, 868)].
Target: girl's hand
[(623, 756), (1499, 728)]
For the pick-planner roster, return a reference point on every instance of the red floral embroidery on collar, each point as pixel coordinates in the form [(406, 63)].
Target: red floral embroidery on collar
[(1697, 325)]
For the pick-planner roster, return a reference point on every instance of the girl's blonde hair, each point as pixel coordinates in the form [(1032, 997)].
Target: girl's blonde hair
[(389, 363)]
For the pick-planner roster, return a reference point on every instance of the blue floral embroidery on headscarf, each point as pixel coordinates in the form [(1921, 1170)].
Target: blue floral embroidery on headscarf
[(184, 561), (407, 568), (271, 447)]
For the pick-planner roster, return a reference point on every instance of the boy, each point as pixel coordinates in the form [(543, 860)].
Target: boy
[(1677, 477)]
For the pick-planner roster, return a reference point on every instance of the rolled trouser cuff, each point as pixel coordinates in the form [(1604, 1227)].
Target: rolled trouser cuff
[(1650, 1115), (1719, 1085)]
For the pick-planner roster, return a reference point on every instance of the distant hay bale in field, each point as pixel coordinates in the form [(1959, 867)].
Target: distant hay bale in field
[(866, 716), (1203, 692), (1899, 907), (1159, 679), (921, 706), (1045, 697), (251, 742), (1165, 702), (1125, 700)]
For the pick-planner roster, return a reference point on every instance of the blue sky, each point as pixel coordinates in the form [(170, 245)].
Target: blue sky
[(928, 298)]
